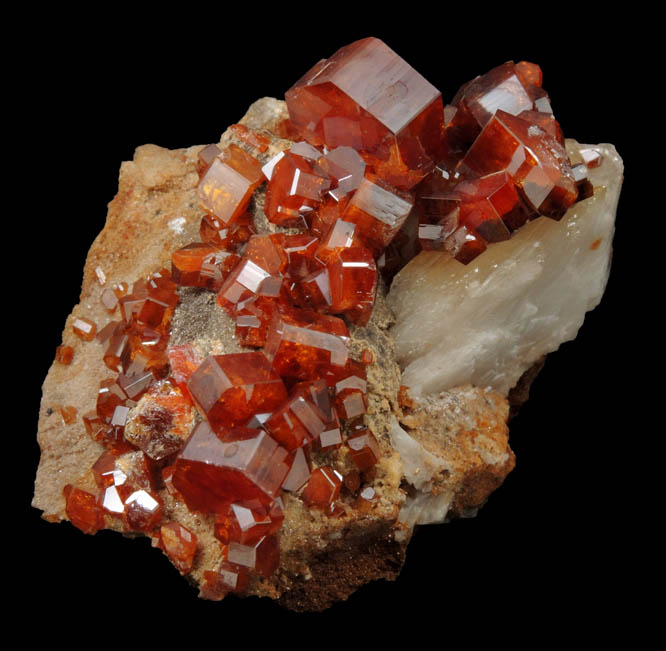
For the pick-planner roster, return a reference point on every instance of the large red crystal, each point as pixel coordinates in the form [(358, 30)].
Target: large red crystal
[(211, 472), (230, 389), (368, 98)]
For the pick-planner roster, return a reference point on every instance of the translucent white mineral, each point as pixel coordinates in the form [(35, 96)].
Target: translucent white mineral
[(487, 322)]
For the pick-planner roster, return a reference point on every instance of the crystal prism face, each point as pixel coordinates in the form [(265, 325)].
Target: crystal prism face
[(210, 471), (366, 97)]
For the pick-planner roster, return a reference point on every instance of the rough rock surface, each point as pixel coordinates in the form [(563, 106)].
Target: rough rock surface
[(441, 457)]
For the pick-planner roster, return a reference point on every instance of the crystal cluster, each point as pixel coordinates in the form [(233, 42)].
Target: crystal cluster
[(378, 164)]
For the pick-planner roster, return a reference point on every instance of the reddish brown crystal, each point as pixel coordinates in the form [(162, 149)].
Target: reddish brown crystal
[(228, 578), (229, 389), (294, 188), (322, 488), (202, 265), (82, 510), (64, 355), (251, 137), (179, 544), (227, 186), (246, 522), (84, 328), (368, 98), (363, 449), (225, 236), (263, 556), (68, 414), (379, 211), (210, 472), (303, 345), (161, 422)]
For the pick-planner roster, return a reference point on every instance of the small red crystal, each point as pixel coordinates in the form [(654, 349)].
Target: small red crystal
[(322, 488), (227, 186), (363, 449), (64, 355), (180, 545), (82, 510)]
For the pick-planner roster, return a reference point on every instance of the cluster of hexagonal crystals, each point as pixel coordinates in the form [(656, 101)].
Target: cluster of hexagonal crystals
[(161, 421), (535, 160), (322, 488), (303, 345), (294, 189), (304, 417), (227, 185), (230, 389), (228, 578), (229, 237), (511, 88), (246, 522), (126, 490), (179, 544), (202, 265), (368, 98), (240, 464)]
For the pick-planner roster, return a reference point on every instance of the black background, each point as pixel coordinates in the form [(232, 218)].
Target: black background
[(545, 548)]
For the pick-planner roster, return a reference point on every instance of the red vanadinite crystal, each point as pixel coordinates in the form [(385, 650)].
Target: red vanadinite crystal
[(246, 522), (368, 98), (82, 510), (202, 265), (210, 472), (84, 328), (230, 389), (179, 544), (64, 355), (322, 488), (363, 449), (227, 185)]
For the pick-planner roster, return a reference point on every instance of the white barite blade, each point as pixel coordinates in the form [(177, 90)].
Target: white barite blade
[(487, 322)]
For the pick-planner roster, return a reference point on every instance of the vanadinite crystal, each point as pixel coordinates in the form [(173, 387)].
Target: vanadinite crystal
[(378, 169)]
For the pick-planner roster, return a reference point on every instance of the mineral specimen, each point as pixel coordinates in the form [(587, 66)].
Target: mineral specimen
[(265, 407)]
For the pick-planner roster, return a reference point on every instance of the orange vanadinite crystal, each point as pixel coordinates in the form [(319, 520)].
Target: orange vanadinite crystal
[(304, 345), (353, 282), (202, 265), (82, 510), (294, 189), (179, 544), (210, 472), (322, 488), (299, 472), (263, 556), (84, 328), (229, 237), (227, 186), (536, 161), (379, 211), (230, 389), (246, 522), (250, 137), (64, 355), (206, 157), (363, 449), (303, 417), (183, 361), (228, 578), (68, 414), (368, 98)]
